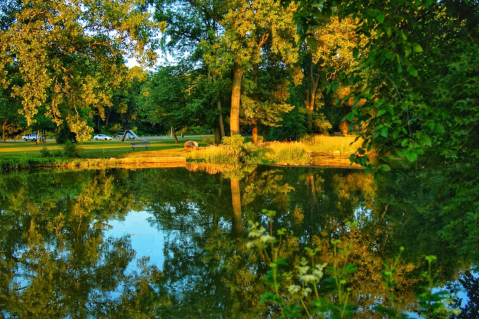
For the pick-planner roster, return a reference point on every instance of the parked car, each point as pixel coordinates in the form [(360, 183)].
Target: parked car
[(102, 137), (32, 137), (119, 136)]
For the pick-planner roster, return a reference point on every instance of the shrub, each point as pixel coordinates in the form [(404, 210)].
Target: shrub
[(44, 152), (72, 150)]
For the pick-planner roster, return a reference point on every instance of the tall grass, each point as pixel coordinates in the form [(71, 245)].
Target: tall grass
[(221, 154), (287, 153), (321, 143)]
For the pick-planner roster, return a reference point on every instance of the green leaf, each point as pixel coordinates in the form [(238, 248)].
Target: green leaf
[(426, 140), (407, 50), (266, 296), (416, 47), (381, 112), (384, 132), (413, 72), (282, 261), (439, 128), (385, 167), (388, 31), (380, 17), (411, 156), (350, 117), (355, 53)]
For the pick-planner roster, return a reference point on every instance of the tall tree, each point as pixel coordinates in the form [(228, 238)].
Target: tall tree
[(69, 55), (326, 53), (165, 95)]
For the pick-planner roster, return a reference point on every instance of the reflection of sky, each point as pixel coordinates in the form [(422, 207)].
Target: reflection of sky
[(146, 240)]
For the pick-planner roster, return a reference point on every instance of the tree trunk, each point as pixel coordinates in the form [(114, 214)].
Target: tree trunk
[(173, 130), (237, 218), (217, 132), (235, 100), (309, 118), (107, 118), (4, 126), (220, 119), (255, 132), (255, 121)]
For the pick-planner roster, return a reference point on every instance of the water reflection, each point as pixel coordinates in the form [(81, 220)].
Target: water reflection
[(68, 238)]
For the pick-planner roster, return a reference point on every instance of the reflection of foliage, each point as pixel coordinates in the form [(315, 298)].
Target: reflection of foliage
[(470, 283), (299, 290), (55, 261), (58, 220)]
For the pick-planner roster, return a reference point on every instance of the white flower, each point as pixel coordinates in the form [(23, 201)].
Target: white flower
[(318, 273), (294, 289), (257, 232), (266, 239), (302, 269), (306, 292), (321, 267), (310, 279), (250, 244)]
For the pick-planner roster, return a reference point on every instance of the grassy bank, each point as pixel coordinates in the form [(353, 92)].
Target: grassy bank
[(290, 153), (233, 151), (23, 155)]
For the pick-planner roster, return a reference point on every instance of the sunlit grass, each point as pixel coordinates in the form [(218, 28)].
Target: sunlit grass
[(96, 149), (322, 143), (220, 154), (286, 152)]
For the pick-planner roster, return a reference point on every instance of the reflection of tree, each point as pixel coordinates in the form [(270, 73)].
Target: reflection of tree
[(236, 196), (53, 245), (54, 259), (470, 283)]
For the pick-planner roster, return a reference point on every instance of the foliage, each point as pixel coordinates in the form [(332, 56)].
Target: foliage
[(72, 150), (68, 57), (328, 293)]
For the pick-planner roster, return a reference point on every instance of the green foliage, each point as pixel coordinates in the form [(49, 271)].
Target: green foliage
[(306, 294), (72, 150), (292, 128), (68, 58)]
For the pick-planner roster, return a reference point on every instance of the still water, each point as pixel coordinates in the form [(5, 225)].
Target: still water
[(172, 242)]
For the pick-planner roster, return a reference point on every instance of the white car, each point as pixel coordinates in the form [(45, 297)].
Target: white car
[(32, 137), (102, 137)]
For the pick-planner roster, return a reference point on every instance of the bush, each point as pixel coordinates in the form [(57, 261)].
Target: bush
[(44, 152), (72, 150)]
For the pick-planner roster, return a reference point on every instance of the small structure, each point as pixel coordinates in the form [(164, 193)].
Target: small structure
[(191, 145), (140, 144)]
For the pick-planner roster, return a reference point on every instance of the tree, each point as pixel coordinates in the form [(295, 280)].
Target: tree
[(327, 51), (165, 96), (69, 56)]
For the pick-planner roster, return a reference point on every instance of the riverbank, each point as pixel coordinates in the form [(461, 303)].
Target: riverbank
[(322, 151)]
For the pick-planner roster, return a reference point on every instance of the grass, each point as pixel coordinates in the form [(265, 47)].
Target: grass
[(92, 149), (321, 143), (27, 154), (285, 153)]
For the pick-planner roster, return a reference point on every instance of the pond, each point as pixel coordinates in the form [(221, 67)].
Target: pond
[(172, 242)]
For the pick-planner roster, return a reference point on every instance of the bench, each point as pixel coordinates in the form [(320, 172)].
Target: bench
[(338, 134), (140, 144)]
